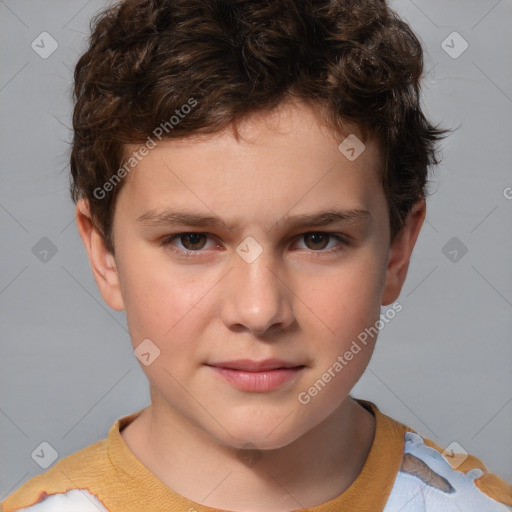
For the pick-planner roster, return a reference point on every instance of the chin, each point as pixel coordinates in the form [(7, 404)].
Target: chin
[(261, 441), (260, 435)]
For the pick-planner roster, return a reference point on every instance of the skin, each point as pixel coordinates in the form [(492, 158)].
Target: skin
[(295, 301)]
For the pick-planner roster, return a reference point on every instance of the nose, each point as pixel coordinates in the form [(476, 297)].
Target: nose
[(258, 298)]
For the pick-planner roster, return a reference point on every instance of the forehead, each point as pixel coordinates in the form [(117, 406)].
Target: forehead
[(281, 160)]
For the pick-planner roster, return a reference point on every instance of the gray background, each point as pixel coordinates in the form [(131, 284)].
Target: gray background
[(441, 366)]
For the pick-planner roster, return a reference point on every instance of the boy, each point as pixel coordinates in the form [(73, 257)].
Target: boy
[(289, 136)]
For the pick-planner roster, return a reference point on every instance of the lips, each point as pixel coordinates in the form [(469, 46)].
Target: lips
[(248, 365), (257, 376)]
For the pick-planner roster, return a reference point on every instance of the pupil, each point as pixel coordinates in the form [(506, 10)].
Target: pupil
[(316, 238), (193, 238)]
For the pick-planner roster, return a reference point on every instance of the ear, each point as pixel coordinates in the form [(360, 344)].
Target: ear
[(102, 261), (400, 253)]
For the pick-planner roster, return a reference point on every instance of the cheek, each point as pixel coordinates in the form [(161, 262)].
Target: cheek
[(164, 302), (347, 300), (347, 304)]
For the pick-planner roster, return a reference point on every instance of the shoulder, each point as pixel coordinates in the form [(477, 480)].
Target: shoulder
[(450, 480), (68, 485), (429, 478), (101, 477)]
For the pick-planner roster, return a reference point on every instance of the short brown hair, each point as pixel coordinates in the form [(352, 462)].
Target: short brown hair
[(355, 60)]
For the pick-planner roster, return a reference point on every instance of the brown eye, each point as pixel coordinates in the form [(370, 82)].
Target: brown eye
[(187, 243), (317, 241), (192, 241), (323, 242)]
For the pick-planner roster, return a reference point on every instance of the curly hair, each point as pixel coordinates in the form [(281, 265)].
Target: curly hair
[(356, 61)]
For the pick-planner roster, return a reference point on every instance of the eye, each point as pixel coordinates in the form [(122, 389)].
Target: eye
[(192, 242), (318, 240)]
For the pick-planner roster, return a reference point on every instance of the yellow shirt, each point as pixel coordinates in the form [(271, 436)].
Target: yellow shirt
[(402, 471)]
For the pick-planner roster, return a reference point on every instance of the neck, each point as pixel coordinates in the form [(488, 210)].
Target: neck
[(313, 469)]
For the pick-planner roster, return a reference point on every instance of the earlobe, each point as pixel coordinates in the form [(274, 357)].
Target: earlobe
[(102, 262), (400, 253)]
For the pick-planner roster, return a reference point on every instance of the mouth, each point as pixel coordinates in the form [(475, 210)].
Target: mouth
[(248, 365), (257, 376)]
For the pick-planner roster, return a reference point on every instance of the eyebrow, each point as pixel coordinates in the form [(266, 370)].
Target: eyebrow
[(191, 218)]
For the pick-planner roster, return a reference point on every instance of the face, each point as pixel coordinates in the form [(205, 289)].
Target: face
[(269, 279)]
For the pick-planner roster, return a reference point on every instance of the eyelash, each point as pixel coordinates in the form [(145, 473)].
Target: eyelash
[(167, 242)]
